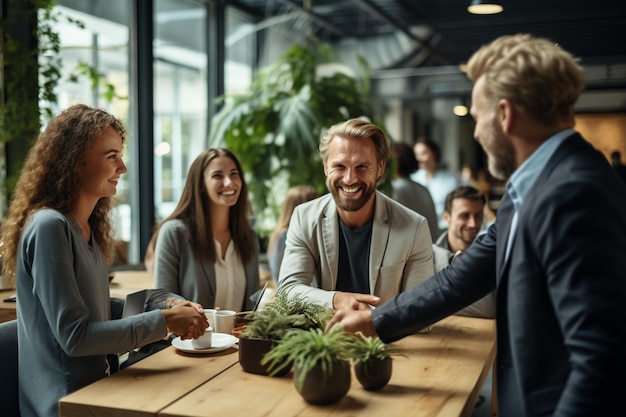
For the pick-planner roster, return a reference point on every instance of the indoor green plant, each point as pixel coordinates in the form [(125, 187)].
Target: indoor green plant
[(275, 126), (271, 323), (372, 361), (321, 362)]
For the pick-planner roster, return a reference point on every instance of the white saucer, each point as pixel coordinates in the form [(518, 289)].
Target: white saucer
[(219, 342)]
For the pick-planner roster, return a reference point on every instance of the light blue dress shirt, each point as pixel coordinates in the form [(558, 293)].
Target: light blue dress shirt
[(526, 175)]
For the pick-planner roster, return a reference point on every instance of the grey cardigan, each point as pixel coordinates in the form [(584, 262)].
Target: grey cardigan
[(177, 270)]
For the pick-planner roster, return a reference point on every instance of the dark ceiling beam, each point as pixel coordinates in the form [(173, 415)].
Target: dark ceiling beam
[(319, 20), (373, 10)]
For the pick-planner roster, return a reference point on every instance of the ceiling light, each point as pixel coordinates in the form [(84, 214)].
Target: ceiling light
[(460, 110), (484, 7)]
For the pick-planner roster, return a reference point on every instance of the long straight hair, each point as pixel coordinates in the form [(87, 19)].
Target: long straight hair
[(194, 211)]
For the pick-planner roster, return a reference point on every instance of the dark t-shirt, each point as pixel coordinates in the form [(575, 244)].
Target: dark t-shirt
[(354, 256)]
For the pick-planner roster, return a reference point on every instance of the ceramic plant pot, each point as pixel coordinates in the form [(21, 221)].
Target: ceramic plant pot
[(243, 317), (374, 373), (319, 388), (251, 351)]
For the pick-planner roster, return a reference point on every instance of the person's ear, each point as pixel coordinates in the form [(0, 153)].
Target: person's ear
[(506, 114), (446, 217)]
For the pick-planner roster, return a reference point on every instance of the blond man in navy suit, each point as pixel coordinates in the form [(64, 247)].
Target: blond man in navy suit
[(355, 247), (556, 263)]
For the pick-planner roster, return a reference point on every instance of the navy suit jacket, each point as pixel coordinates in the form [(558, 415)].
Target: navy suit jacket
[(561, 294)]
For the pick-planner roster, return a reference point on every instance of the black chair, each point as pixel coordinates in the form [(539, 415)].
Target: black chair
[(8, 371)]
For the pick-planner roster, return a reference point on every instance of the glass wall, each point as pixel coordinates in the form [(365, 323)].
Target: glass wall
[(180, 94), (99, 44), (94, 64)]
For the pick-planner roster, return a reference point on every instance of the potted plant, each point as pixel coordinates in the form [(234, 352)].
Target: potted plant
[(270, 324), (276, 125), (321, 362), (372, 362)]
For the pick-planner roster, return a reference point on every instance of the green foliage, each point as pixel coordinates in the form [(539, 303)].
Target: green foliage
[(368, 347), (307, 349), (286, 313), (31, 74), (275, 127), (97, 79)]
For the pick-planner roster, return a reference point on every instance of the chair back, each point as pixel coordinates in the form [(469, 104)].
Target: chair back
[(9, 389)]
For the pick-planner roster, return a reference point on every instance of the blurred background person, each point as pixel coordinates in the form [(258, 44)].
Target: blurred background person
[(409, 193), (276, 244), (616, 162), (463, 214), (430, 174), (206, 250), (57, 243)]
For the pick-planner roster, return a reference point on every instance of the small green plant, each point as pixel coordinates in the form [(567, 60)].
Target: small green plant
[(285, 313), (307, 349), (366, 348)]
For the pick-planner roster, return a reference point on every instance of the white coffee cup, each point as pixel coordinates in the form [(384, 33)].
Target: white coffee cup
[(204, 341), (210, 316), (224, 321)]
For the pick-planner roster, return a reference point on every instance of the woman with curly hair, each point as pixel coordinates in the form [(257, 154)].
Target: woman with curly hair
[(57, 245), (206, 250)]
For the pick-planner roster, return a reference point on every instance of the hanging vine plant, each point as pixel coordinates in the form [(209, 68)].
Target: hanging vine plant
[(30, 71), (275, 127)]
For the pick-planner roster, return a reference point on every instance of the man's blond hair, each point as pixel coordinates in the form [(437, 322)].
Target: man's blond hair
[(532, 73)]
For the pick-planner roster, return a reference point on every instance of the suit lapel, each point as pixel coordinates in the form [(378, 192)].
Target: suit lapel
[(503, 229), (209, 276), (379, 241), (330, 237)]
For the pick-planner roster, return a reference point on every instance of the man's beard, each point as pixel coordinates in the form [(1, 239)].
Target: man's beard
[(351, 204), (500, 155)]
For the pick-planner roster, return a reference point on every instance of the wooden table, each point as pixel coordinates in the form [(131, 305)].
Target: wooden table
[(123, 283), (435, 374)]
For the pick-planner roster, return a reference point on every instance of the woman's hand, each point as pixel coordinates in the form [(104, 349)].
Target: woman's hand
[(173, 302), (186, 319)]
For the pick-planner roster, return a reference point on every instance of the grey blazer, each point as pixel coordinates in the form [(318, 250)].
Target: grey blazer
[(177, 270), (400, 251)]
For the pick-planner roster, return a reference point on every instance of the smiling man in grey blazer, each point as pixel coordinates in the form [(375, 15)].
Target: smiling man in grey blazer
[(355, 247)]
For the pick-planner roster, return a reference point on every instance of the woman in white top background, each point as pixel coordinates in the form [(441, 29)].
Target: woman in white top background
[(206, 250)]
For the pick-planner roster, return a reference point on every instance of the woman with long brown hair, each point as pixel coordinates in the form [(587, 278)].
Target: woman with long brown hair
[(206, 250)]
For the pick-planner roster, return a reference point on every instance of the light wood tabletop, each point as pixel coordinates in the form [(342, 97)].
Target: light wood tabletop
[(434, 374)]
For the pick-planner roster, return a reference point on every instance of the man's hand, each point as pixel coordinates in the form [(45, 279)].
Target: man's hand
[(353, 321), (186, 320), (354, 301)]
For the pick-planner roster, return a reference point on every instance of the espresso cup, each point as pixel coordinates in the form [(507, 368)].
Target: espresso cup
[(204, 341), (225, 321)]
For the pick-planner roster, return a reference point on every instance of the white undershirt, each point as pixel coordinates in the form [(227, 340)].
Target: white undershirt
[(230, 279)]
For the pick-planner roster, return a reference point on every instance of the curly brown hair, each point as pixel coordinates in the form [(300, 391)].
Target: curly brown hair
[(51, 177)]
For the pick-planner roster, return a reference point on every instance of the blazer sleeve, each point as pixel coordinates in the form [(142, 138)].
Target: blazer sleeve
[(167, 256), (469, 278), (419, 266), (298, 267)]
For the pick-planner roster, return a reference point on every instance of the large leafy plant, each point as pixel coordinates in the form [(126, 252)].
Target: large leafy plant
[(275, 127)]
